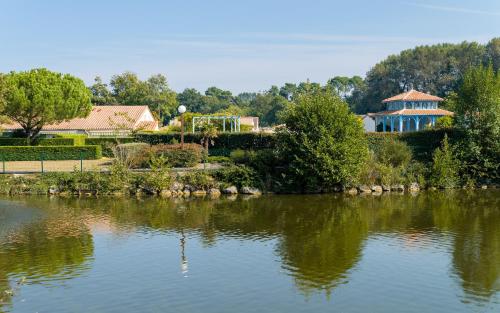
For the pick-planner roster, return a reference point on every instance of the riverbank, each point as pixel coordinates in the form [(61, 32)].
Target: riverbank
[(120, 182)]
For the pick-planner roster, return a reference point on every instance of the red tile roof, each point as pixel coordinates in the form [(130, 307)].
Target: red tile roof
[(413, 95), (413, 112), (106, 117), (148, 125)]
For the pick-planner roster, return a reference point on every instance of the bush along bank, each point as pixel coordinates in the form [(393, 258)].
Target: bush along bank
[(160, 181)]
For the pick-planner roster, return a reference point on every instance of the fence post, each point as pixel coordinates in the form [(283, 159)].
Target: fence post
[(3, 164), (81, 161), (41, 160)]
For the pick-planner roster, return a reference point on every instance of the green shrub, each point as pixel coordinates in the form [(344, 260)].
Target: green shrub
[(132, 155), (389, 175), (107, 143), (78, 139), (444, 172), (444, 122), (36, 153), (119, 178), (238, 176), (377, 173), (416, 172), (77, 182), (159, 177), (224, 141), (219, 159), (199, 180), (323, 144), (393, 152), (7, 141), (177, 156), (240, 156), (93, 182), (421, 143)]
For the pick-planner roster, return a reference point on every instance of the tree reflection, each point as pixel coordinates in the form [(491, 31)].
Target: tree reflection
[(474, 219), (57, 247), (320, 238)]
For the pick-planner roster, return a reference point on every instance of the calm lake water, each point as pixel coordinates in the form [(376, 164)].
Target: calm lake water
[(434, 252)]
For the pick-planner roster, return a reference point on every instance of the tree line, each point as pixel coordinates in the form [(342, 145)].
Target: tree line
[(437, 69)]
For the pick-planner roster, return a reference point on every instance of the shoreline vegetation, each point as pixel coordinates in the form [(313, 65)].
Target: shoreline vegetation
[(191, 185)]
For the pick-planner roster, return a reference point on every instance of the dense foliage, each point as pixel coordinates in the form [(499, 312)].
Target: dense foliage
[(7, 141), (37, 153), (224, 141), (239, 176), (323, 143), (107, 143), (128, 89), (176, 155), (477, 117), (445, 167), (437, 69), (39, 97)]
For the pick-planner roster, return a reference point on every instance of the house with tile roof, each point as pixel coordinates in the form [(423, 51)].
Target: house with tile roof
[(105, 120), (410, 111)]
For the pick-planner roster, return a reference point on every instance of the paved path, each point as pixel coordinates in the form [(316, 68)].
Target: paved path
[(103, 164)]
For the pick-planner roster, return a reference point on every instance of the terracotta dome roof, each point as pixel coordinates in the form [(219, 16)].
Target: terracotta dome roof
[(413, 95)]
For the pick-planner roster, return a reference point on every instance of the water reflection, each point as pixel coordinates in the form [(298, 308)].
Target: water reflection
[(45, 248), (320, 238)]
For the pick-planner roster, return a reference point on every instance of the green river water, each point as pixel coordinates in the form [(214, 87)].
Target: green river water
[(431, 252)]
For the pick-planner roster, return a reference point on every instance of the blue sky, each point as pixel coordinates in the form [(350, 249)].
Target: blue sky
[(235, 45)]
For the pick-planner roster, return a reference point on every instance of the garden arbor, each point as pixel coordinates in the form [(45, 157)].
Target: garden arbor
[(234, 121)]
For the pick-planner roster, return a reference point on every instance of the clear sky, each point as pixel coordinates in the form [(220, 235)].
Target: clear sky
[(233, 44)]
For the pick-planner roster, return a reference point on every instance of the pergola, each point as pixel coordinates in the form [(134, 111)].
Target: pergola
[(234, 121)]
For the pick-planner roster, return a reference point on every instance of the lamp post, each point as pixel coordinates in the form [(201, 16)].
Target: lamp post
[(182, 109)]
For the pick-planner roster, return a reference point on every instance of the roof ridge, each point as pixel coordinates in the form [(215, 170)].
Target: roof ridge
[(408, 93)]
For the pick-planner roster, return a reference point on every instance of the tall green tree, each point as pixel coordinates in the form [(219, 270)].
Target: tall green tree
[(128, 89), (493, 53), (350, 89), (323, 142), (437, 69), (268, 107), (444, 173), (101, 95), (39, 97), (161, 98), (2, 90), (288, 91), (191, 98), (477, 116)]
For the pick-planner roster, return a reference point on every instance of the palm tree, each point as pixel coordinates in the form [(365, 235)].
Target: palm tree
[(208, 133)]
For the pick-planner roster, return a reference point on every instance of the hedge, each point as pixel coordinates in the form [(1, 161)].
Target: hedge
[(224, 141), (36, 153), (8, 141), (422, 143), (107, 143), (78, 139)]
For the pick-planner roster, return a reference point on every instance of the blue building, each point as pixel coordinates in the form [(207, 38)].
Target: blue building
[(409, 111)]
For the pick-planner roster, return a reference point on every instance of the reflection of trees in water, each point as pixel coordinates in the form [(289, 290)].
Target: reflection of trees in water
[(474, 219), (321, 237), (57, 247)]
